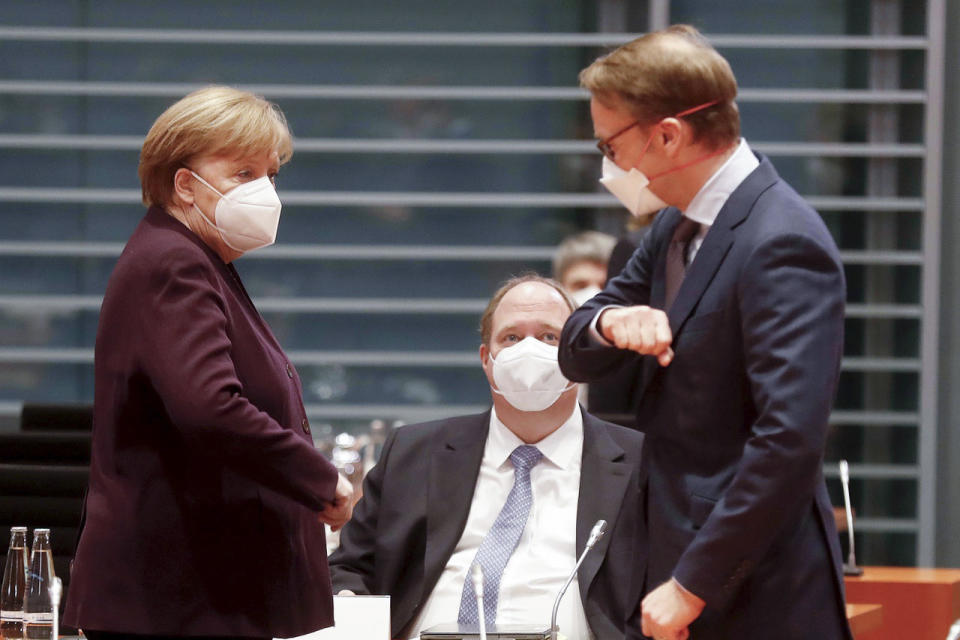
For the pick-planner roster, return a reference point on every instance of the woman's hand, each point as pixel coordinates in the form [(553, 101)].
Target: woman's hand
[(337, 513)]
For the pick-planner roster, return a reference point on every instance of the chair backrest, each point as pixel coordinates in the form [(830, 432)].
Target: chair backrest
[(56, 417)]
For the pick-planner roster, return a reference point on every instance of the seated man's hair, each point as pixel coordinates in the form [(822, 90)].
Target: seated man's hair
[(486, 320)]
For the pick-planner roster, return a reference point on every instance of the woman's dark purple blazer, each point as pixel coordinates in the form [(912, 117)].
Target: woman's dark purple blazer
[(201, 515)]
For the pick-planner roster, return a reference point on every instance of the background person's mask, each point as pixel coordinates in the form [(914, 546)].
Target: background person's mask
[(582, 295), (528, 375), (247, 216)]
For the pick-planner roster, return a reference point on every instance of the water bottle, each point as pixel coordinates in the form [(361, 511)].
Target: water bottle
[(954, 632), (38, 612), (14, 586)]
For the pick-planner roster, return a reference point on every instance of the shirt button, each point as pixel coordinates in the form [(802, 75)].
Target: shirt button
[(305, 426), (289, 371)]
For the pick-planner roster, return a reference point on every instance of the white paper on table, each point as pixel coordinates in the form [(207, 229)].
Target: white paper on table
[(357, 617)]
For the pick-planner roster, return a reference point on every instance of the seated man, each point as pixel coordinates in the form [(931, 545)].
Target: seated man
[(516, 489)]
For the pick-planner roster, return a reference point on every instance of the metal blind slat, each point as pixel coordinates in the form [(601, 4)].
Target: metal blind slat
[(387, 38), (66, 303), (426, 146), (387, 252), (449, 199), (388, 358), (873, 471), (390, 92)]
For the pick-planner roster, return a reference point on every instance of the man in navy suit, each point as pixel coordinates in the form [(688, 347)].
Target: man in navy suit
[(735, 298), (430, 506)]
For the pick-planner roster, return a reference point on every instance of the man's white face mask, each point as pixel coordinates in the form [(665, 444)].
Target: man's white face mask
[(631, 189), (528, 375)]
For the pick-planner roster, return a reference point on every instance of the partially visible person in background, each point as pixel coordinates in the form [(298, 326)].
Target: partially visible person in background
[(626, 245), (580, 264), (205, 509)]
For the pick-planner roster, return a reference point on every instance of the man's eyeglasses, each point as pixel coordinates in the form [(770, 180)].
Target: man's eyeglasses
[(604, 145), (607, 150)]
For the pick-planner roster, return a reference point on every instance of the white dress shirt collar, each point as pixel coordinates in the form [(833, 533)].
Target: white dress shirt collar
[(714, 193), (562, 448)]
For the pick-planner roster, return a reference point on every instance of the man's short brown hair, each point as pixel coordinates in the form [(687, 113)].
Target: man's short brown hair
[(210, 121), (587, 246), (664, 73), (486, 320)]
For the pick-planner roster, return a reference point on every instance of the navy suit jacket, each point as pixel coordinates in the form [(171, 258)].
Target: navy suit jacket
[(737, 509), (200, 517), (417, 498)]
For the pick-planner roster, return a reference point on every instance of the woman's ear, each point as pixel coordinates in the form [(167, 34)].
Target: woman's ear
[(183, 186)]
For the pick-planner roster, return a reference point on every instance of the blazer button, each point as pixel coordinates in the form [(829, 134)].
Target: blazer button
[(305, 426), (289, 371)]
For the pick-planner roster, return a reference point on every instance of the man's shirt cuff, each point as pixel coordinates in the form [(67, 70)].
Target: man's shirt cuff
[(596, 339)]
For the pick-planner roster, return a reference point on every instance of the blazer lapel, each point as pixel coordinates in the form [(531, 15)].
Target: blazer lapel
[(454, 468), (718, 241), (658, 286), (658, 291), (699, 274), (714, 249), (604, 478)]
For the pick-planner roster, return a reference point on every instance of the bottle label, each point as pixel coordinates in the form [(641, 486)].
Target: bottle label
[(42, 617), (11, 616)]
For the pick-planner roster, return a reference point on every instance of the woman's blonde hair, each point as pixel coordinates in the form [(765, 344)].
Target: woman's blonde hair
[(664, 73), (210, 121)]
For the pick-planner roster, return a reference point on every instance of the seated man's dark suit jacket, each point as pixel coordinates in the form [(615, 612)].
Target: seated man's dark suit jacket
[(417, 498), (736, 425)]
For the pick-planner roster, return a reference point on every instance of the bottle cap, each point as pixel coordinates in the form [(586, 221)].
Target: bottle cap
[(39, 531), (18, 529)]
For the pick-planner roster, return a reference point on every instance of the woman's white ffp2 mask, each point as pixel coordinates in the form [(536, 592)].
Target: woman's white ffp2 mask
[(247, 216)]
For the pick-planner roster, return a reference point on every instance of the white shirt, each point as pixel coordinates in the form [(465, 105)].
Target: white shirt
[(714, 193), (706, 206), (546, 553)]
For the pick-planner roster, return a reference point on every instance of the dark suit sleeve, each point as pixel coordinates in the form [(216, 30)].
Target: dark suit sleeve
[(620, 256), (791, 300), (353, 564), (186, 354), (581, 359)]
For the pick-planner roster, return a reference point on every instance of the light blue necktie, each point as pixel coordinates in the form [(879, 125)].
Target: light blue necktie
[(501, 540)]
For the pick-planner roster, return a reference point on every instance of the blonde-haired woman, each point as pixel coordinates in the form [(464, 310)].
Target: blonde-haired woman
[(205, 510)]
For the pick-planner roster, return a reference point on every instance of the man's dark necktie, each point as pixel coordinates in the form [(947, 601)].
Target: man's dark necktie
[(677, 258)]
